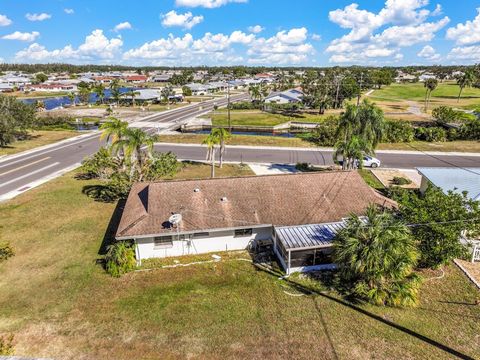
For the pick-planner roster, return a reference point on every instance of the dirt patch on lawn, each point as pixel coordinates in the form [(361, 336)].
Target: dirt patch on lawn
[(386, 177)]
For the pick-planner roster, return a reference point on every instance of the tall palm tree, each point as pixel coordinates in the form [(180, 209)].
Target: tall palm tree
[(351, 152), (466, 80), (133, 142), (211, 141), (372, 123), (99, 90), (113, 130), (375, 257), (430, 85), (348, 122), (131, 94), (222, 135), (115, 90), (255, 93)]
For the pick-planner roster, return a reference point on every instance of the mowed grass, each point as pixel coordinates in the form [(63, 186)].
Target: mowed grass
[(195, 170), (36, 139), (445, 94), (60, 304), (260, 118)]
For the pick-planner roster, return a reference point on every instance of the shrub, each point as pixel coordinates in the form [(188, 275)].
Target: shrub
[(444, 115), (398, 132), (325, 134), (5, 251), (470, 130), (304, 167), (431, 134), (398, 180), (100, 165), (54, 122), (6, 345), (161, 165), (246, 105), (120, 259)]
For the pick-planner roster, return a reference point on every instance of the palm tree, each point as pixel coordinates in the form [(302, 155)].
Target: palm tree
[(113, 130), (352, 152), (430, 84), (132, 94), (133, 142), (466, 80), (375, 257), (211, 141), (99, 90), (255, 93), (222, 136), (115, 90), (71, 97)]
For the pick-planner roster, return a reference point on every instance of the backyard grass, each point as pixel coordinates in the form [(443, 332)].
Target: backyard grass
[(445, 94), (194, 170), (37, 138), (370, 179), (59, 303)]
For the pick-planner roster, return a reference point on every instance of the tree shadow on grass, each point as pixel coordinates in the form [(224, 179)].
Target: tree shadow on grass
[(109, 236), (310, 291)]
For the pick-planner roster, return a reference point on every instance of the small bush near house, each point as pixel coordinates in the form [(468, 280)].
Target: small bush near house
[(6, 345), (5, 251), (120, 259), (398, 180), (304, 167)]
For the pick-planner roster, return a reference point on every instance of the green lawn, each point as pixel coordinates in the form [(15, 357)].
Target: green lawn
[(60, 304), (259, 118), (445, 94), (36, 139)]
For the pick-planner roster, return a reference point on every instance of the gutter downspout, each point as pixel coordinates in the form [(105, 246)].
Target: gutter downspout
[(289, 261), (137, 253)]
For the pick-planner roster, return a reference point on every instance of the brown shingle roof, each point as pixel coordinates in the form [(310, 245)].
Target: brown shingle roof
[(281, 200)]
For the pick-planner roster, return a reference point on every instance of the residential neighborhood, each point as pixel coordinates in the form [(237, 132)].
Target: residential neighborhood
[(223, 179)]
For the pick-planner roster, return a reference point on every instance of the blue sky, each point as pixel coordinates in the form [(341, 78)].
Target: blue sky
[(248, 32)]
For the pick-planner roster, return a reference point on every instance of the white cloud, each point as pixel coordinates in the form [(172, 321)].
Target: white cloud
[(286, 47), (210, 4), (17, 35), (466, 53), (400, 24), (186, 21), (69, 11), (97, 47), (466, 34), (4, 20), (429, 53), (123, 26), (316, 37), (256, 29), (38, 17)]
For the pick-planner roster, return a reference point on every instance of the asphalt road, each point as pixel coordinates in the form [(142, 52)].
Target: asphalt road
[(21, 173)]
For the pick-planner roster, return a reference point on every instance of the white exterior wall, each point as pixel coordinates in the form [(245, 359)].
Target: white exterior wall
[(218, 241), (277, 100)]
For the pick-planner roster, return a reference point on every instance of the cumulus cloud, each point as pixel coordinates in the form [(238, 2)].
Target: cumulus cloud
[(122, 26), (316, 37), (4, 20), (25, 36), (69, 11), (186, 21), (429, 53), (465, 53), (38, 17), (285, 47), (466, 34), (256, 29), (399, 24), (97, 47), (209, 4)]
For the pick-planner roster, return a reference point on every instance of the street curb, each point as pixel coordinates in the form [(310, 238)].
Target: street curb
[(466, 273), (399, 152)]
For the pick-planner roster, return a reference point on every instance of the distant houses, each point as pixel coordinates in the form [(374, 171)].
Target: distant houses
[(292, 96)]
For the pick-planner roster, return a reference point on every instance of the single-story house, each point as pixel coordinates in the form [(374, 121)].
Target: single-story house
[(298, 214), (52, 87), (291, 96), (162, 78), (458, 180), (144, 95), (136, 79), (6, 87), (199, 89)]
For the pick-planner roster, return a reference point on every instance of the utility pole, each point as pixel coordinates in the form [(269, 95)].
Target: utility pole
[(338, 80), (360, 90), (228, 108)]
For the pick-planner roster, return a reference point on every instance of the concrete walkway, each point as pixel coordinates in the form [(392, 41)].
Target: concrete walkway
[(273, 169)]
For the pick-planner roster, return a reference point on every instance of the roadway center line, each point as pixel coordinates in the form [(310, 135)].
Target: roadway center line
[(29, 174), (24, 166)]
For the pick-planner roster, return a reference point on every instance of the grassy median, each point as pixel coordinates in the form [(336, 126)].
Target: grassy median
[(36, 139)]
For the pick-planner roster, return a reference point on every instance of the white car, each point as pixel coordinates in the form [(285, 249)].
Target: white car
[(369, 161)]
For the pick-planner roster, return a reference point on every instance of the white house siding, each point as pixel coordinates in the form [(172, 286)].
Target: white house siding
[(277, 100), (218, 241)]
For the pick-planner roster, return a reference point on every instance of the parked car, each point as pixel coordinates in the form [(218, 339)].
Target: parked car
[(369, 161)]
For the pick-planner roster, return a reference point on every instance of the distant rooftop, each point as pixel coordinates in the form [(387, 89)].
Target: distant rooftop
[(457, 180)]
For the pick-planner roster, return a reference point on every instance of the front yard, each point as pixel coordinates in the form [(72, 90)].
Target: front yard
[(59, 303)]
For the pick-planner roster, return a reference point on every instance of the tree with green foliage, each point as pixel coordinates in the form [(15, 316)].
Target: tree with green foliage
[(40, 78), (211, 141), (84, 91), (444, 115), (16, 118), (132, 93), (430, 85), (113, 130), (166, 93), (351, 152), (438, 220), (71, 96), (132, 143), (99, 91), (466, 80), (115, 91), (375, 258), (382, 77), (186, 91), (120, 258)]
